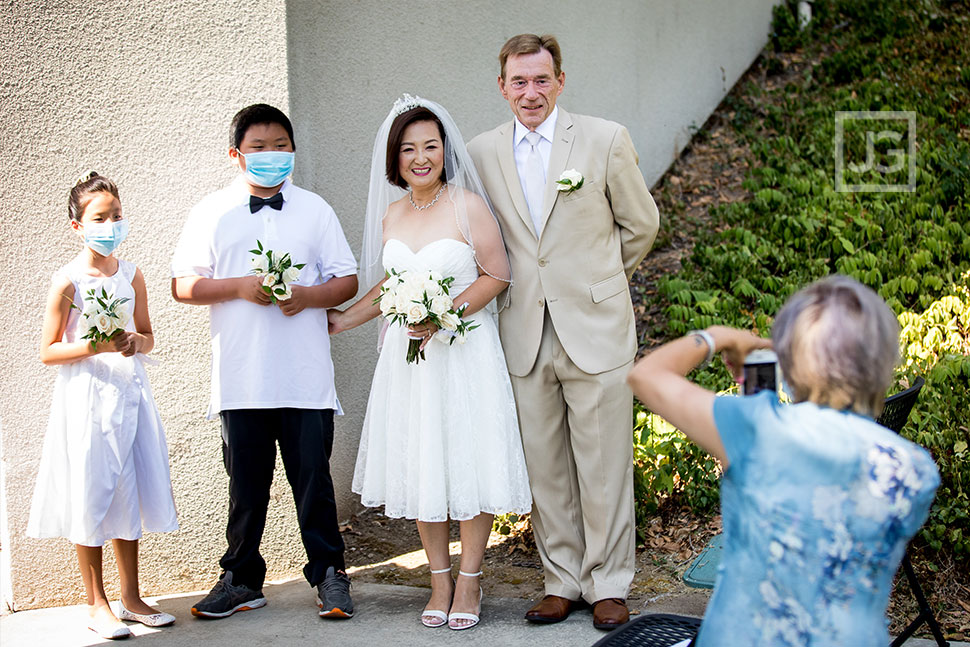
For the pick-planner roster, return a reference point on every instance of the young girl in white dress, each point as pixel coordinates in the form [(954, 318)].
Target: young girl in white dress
[(440, 440), (104, 471)]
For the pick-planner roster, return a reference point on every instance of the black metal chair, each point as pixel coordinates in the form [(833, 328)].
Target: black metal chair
[(894, 415), (895, 411), (652, 630)]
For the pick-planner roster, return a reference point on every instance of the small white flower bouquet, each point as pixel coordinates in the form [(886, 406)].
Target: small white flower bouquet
[(414, 298), (102, 316), (277, 272)]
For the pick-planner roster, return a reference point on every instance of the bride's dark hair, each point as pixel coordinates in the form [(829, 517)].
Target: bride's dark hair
[(396, 134)]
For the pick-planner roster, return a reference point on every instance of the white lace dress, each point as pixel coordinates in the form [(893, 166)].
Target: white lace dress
[(104, 470), (441, 437)]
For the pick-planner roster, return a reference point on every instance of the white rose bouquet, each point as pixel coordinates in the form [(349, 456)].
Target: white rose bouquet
[(414, 298), (102, 316), (277, 272)]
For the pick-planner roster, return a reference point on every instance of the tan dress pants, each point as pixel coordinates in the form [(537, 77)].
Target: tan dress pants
[(577, 433)]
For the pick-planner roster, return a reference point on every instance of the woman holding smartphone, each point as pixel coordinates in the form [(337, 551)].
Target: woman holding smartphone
[(818, 501)]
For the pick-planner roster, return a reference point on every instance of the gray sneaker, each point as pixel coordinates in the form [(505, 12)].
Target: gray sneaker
[(333, 595), (226, 598)]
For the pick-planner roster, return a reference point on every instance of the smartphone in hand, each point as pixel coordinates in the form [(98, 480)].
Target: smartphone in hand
[(760, 372)]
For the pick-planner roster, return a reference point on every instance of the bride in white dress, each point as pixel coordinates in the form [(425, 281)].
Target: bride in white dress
[(440, 440)]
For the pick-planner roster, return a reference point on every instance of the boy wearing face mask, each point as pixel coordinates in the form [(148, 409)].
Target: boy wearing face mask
[(272, 375)]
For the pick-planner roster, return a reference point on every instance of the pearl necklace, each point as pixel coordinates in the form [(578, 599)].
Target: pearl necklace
[(430, 204)]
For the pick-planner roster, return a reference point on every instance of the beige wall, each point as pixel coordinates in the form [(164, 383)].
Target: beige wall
[(143, 92)]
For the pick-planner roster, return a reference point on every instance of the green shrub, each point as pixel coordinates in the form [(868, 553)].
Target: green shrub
[(785, 34), (912, 248), (936, 345), (668, 467)]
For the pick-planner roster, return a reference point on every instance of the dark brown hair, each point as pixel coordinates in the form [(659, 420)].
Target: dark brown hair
[(396, 134), (80, 195), (531, 44), (258, 113)]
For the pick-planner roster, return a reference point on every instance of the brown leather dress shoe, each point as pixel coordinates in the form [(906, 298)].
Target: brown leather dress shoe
[(610, 613), (550, 609)]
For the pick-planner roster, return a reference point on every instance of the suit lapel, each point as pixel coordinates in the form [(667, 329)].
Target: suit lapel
[(562, 145), (506, 160)]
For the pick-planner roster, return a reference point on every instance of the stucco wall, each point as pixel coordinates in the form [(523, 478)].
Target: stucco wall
[(143, 92), (656, 66)]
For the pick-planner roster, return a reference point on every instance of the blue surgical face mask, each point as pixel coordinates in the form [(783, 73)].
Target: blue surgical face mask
[(104, 237), (268, 169)]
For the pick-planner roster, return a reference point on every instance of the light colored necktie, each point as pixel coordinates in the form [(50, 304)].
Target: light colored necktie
[(535, 179)]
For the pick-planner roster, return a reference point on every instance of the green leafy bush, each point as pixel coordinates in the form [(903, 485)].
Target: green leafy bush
[(936, 345), (504, 524), (667, 466), (913, 248), (785, 34)]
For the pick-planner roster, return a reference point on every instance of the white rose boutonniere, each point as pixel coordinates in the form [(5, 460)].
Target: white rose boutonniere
[(569, 181)]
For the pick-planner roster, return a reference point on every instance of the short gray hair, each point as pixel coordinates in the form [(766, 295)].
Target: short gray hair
[(837, 343)]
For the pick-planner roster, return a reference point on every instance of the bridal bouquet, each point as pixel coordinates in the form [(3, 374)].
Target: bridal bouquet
[(102, 316), (414, 298), (277, 272)]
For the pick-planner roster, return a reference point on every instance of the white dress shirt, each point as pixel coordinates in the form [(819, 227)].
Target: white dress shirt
[(262, 359), (521, 147)]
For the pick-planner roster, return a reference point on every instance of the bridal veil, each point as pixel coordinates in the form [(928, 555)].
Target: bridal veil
[(461, 176)]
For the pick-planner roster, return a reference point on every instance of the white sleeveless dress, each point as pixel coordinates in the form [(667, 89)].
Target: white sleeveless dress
[(104, 470), (441, 437)]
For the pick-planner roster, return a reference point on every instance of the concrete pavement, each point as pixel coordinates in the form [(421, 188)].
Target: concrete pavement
[(386, 616)]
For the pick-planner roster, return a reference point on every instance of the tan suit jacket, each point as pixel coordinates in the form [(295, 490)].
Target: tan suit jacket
[(591, 242)]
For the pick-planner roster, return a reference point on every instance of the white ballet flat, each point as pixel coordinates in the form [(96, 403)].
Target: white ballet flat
[(459, 615), (160, 619), (109, 630), (433, 618)]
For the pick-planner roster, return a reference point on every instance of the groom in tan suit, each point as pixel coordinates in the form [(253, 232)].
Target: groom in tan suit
[(568, 330)]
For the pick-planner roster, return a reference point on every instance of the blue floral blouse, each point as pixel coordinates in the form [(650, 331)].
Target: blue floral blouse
[(818, 506)]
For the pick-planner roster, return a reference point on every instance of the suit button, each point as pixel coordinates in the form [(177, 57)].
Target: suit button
[(542, 262), (540, 303)]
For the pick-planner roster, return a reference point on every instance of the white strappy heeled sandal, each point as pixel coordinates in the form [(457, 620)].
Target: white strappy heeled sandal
[(433, 618), (458, 615)]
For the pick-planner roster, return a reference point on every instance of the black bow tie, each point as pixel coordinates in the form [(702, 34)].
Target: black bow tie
[(256, 203)]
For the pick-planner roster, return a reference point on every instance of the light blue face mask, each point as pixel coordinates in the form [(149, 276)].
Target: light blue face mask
[(104, 237), (268, 169)]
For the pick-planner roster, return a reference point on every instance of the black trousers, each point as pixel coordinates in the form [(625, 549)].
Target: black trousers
[(305, 438)]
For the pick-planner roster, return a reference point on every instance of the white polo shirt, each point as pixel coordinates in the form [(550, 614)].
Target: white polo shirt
[(262, 359)]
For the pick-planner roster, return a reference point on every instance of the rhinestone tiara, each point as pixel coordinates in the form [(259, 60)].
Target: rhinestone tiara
[(405, 103)]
